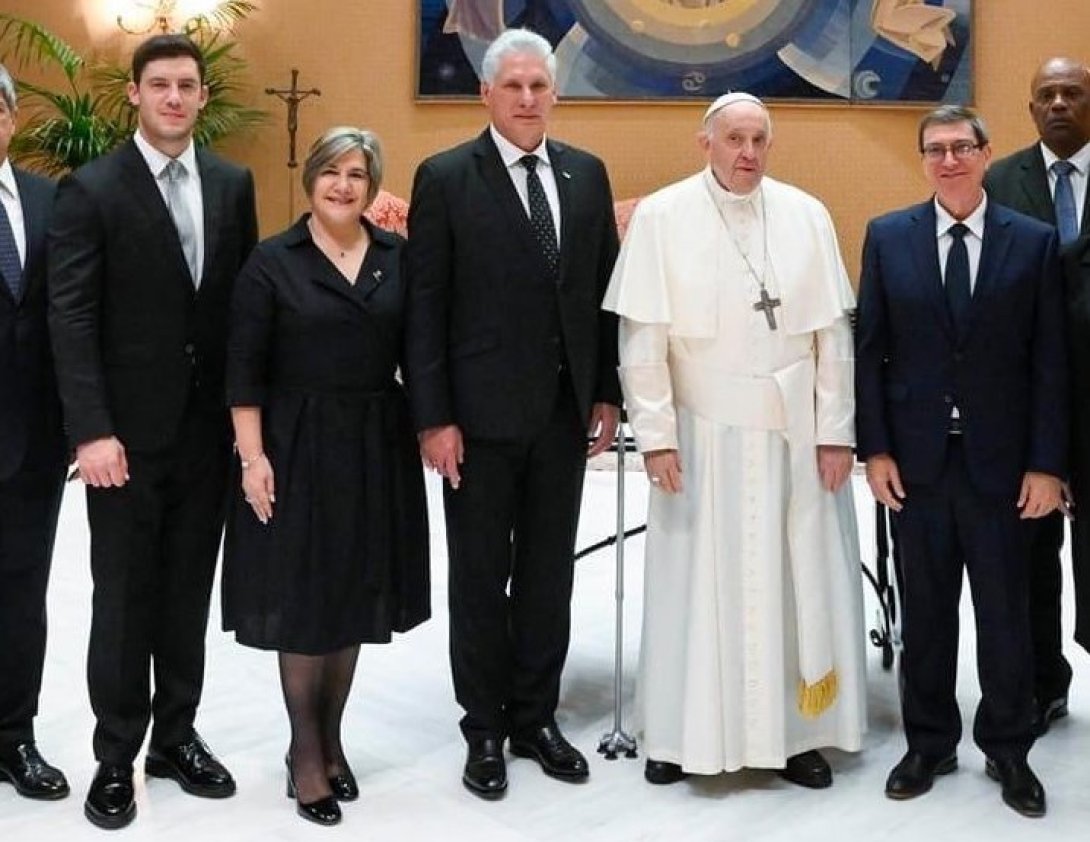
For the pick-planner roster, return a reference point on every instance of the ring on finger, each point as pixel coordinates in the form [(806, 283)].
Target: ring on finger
[(656, 480)]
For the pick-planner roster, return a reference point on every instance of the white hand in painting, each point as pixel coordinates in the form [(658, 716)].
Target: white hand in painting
[(921, 29)]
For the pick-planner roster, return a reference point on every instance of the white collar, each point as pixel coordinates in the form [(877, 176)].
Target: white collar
[(157, 160), (974, 221), (7, 179), (512, 155), (1080, 159)]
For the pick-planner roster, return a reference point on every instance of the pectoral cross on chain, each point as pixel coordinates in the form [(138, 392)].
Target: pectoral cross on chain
[(767, 305)]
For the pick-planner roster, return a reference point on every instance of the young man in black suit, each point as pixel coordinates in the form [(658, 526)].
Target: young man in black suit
[(961, 418), (144, 248), (1048, 181), (32, 463), (510, 361)]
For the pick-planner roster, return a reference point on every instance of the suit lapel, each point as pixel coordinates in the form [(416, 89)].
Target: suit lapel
[(924, 246), (214, 201), (34, 211), (564, 188), (140, 184), (993, 252), (1033, 182)]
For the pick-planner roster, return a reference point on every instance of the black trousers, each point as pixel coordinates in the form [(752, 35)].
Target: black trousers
[(944, 528), (511, 541), (154, 543), (30, 501), (1052, 672)]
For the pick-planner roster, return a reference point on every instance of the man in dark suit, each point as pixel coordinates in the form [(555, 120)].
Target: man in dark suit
[(1048, 181), (32, 463), (510, 360), (961, 417), (144, 248)]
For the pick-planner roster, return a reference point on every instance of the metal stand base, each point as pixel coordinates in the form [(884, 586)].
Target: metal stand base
[(617, 741)]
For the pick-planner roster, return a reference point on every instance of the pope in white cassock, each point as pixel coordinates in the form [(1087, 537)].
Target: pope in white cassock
[(736, 363)]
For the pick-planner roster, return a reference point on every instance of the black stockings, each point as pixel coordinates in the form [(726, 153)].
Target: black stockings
[(315, 691)]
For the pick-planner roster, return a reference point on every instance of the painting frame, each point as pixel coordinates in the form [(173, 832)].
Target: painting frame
[(819, 52)]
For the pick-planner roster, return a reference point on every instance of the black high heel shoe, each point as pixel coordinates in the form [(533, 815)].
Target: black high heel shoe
[(344, 786), (324, 811)]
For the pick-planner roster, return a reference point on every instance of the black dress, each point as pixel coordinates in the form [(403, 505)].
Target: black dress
[(344, 559)]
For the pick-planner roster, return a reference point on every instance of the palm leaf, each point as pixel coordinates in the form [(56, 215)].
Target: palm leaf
[(223, 16), (29, 42)]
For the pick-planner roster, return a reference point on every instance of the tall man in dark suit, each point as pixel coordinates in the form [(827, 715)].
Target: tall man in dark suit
[(1048, 181), (32, 463), (144, 248), (510, 360), (961, 416)]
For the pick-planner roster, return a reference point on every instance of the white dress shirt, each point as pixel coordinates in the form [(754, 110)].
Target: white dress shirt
[(1078, 177), (9, 196), (512, 156), (974, 240), (191, 185)]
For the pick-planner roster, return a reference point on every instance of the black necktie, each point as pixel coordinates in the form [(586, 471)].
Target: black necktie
[(957, 276), (10, 266), (541, 218)]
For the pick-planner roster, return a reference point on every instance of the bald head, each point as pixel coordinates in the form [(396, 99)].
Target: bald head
[(1060, 104)]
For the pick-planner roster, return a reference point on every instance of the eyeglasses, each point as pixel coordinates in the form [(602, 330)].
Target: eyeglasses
[(961, 150)]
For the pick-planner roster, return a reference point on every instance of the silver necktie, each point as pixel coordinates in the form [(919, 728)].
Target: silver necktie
[(175, 174)]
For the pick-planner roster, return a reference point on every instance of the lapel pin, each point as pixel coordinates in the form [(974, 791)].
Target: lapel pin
[(566, 174), (377, 275)]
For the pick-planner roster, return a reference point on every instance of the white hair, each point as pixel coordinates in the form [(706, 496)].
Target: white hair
[(516, 42)]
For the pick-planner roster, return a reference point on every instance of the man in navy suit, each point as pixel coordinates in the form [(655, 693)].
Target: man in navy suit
[(1048, 181), (961, 417), (510, 361), (32, 463)]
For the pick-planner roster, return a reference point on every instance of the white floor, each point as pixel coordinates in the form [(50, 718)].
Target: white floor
[(404, 744)]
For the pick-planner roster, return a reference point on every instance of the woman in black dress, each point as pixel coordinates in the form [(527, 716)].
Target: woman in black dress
[(327, 543)]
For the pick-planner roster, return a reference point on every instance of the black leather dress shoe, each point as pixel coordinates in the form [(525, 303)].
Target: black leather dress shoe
[(558, 758), (110, 804), (1022, 792), (485, 771), (1048, 712), (325, 811), (193, 766), (915, 774), (30, 774), (662, 772), (344, 786), (808, 769)]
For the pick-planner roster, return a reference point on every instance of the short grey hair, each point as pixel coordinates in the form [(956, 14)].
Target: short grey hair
[(7, 89), (516, 42), (948, 115), (339, 141)]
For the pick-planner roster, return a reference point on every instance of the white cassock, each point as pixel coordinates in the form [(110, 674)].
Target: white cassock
[(752, 587)]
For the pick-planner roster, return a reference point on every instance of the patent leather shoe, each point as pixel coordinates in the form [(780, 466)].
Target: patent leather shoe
[(808, 769), (344, 786), (558, 758), (485, 771), (662, 772), (24, 767), (1022, 791), (193, 766), (915, 774), (1048, 712), (325, 811), (110, 801)]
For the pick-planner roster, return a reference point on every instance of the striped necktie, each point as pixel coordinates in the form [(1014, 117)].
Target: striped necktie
[(1067, 218), (10, 265)]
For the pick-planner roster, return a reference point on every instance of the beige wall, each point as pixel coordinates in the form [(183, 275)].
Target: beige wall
[(361, 54)]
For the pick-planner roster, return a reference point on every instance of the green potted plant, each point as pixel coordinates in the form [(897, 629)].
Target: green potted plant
[(64, 128)]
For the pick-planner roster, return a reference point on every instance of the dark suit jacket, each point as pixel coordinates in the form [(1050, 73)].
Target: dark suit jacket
[(1007, 372), (480, 352), (1019, 181), (130, 335), (29, 407)]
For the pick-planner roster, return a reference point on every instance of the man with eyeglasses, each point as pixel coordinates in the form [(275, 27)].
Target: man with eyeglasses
[(961, 417), (1048, 181)]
